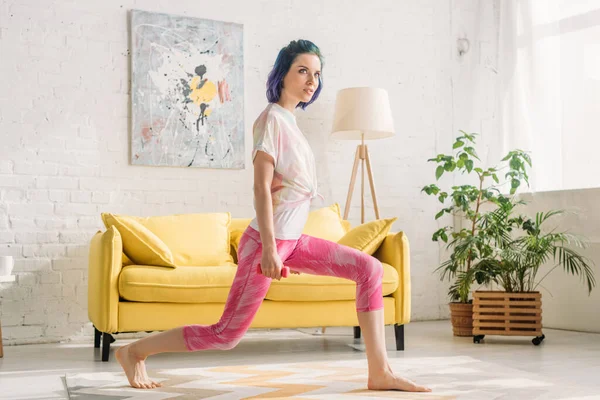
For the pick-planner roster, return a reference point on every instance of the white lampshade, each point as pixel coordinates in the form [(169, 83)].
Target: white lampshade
[(362, 110)]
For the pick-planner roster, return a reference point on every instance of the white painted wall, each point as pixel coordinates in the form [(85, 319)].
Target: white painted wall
[(64, 155), (566, 303)]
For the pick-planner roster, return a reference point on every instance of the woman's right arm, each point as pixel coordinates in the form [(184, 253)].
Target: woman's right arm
[(264, 168)]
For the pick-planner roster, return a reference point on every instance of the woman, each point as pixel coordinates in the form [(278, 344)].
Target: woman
[(284, 184)]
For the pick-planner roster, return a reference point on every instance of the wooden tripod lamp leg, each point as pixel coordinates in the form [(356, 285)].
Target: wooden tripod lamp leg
[(371, 182), (362, 184), (352, 182)]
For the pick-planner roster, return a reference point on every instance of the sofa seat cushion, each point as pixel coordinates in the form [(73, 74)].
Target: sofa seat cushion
[(305, 287), (146, 283), (204, 284)]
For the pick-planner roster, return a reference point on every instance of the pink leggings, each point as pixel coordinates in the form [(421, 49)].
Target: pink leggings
[(308, 255)]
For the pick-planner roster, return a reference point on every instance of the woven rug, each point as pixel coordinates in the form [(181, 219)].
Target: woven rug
[(459, 377)]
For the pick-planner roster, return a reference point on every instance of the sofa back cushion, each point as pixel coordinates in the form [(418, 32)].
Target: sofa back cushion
[(194, 239), (368, 237), (236, 230), (326, 223), (140, 245)]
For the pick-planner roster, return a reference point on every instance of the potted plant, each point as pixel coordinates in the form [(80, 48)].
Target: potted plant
[(475, 203), (514, 266)]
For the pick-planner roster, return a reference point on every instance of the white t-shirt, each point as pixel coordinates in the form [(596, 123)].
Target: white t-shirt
[(295, 177)]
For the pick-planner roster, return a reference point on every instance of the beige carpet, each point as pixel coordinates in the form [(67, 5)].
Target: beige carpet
[(458, 377)]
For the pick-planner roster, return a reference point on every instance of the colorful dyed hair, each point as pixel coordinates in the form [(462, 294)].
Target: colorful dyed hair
[(284, 61)]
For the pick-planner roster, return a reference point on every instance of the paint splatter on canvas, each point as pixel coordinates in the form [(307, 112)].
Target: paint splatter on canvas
[(187, 92)]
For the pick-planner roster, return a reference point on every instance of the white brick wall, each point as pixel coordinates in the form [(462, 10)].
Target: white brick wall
[(64, 123)]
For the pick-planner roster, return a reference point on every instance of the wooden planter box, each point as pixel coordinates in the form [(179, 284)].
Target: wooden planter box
[(508, 314)]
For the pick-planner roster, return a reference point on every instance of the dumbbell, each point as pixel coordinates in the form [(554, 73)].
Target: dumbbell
[(285, 271)]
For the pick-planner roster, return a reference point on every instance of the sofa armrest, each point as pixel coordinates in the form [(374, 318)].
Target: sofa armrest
[(395, 251), (105, 263)]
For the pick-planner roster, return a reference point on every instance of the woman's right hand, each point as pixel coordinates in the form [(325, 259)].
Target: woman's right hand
[(271, 264)]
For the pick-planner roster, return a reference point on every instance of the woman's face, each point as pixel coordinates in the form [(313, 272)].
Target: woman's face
[(302, 80)]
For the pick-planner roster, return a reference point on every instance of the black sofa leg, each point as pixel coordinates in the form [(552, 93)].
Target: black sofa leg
[(97, 335), (107, 339), (399, 332), (357, 332)]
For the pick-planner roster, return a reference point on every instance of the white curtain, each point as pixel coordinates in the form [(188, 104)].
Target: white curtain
[(549, 77)]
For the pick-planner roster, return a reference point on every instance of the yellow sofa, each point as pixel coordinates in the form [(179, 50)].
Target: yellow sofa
[(192, 269)]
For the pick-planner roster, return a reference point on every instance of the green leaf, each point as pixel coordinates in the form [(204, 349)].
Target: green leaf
[(439, 172), (472, 152), (515, 163), (439, 215), (478, 170), (515, 183), (458, 144), (460, 163), (444, 237), (449, 166), (470, 137), (495, 177), (469, 165)]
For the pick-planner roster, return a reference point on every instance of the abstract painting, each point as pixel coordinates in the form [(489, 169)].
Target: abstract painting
[(187, 92)]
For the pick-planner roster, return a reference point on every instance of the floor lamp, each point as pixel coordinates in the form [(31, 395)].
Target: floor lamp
[(362, 113)]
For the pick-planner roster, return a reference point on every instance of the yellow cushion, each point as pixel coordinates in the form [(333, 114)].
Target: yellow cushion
[(209, 284), (236, 229), (194, 239), (368, 236), (139, 243), (125, 260), (147, 283), (347, 225), (239, 225), (325, 223), (305, 287)]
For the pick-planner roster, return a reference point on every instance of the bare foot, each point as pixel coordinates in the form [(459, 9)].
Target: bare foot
[(388, 381), (135, 369)]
